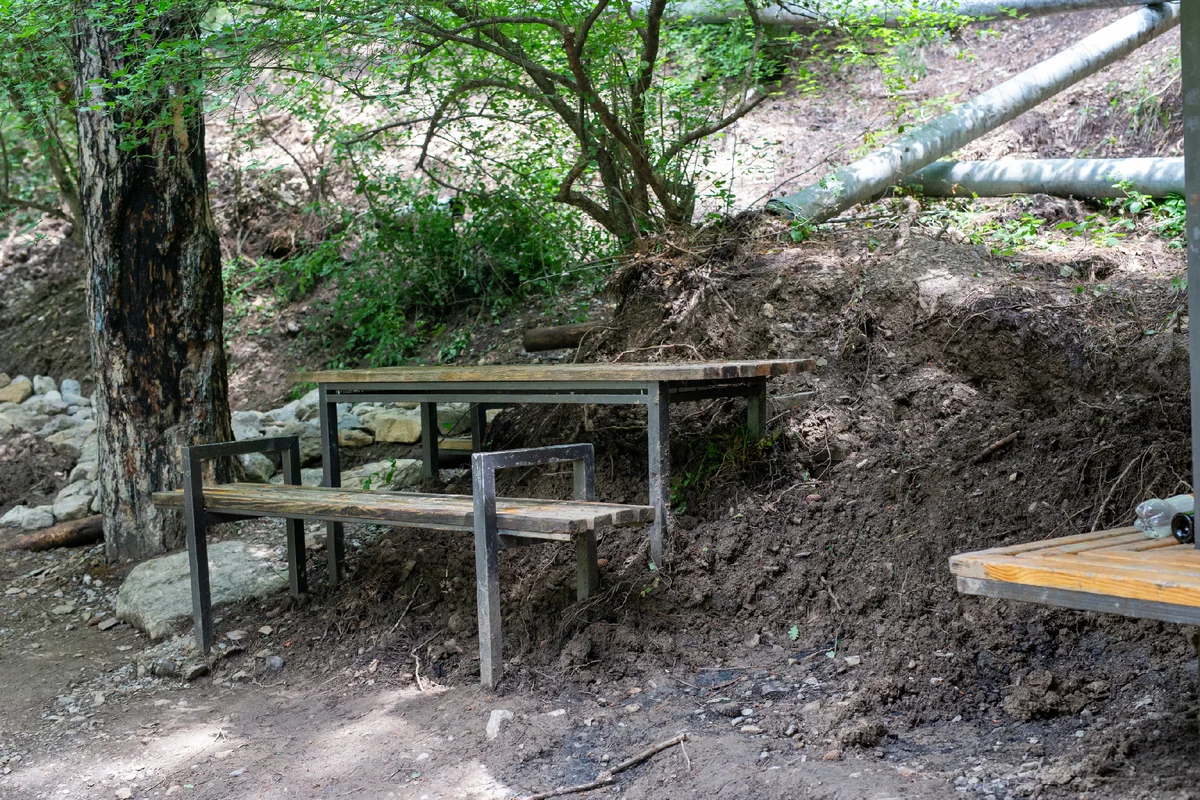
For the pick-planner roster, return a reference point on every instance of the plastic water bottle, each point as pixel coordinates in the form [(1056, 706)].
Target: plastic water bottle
[(1154, 516)]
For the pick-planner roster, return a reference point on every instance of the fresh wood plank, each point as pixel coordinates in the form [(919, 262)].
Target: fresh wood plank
[(1042, 544), (1105, 580), (695, 371)]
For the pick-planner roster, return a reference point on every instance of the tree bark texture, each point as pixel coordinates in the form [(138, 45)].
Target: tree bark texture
[(154, 293)]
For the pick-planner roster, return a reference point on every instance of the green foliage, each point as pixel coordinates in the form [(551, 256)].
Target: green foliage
[(410, 260), (720, 457)]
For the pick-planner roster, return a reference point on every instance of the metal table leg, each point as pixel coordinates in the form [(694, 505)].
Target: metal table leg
[(1189, 44), (429, 439), (658, 433), (756, 412), (478, 426), (331, 465)]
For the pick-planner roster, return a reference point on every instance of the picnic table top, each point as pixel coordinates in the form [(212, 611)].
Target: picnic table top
[(687, 371)]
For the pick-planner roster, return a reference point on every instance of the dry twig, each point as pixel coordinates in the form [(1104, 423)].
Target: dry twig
[(609, 775)]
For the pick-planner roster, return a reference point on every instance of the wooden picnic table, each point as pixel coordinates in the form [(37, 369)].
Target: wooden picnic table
[(653, 385)]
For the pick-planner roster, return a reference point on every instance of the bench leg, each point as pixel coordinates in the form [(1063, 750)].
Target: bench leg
[(487, 577), (297, 560), (756, 412), (658, 430), (478, 426), (586, 568), (197, 544), (430, 433), (331, 462)]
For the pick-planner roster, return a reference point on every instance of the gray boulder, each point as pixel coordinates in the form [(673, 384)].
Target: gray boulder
[(247, 425), (43, 384), (72, 507), (21, 419), (37, 518), (258, 467), (281, 416), (47, 404), (70, 386), (12, 518), (157, 594), (306, 407)]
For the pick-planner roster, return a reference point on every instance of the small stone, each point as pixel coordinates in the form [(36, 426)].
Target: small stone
[(853, 661), (193, 671), (751, 729), (832, 755), (774, 689), (496, 722), (632, 708), (174, 788), (65, 608), (164, 668), (236, 636), (558, 712), (275, 663), (768, 310), (237, 773), (906, 772), (17, 391), (266, 630), (124, 793), (109, 624)]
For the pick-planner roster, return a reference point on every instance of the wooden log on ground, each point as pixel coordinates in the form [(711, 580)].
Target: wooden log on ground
[(559, 336), (75, 533)]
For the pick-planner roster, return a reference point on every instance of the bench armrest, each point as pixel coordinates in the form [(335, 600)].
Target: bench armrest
[(581, 456), (195, 455)]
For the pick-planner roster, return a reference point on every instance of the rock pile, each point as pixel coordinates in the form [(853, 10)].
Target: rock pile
[(63, 416)]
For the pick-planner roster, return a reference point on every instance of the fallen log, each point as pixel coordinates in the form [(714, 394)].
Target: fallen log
[(866, 178), (559, 336), (75, 533)]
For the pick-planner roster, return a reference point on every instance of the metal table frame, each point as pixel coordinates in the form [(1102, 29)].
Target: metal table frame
[(656, 396)]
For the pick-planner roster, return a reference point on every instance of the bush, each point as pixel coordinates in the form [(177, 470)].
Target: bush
[(413, 260)]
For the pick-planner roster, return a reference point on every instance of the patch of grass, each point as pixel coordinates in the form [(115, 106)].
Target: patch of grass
[(721, 457)]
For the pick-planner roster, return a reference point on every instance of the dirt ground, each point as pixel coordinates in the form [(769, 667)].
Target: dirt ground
[(805, 632)]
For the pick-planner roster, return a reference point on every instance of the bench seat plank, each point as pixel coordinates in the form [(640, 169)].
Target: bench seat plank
[(1121, 563), (455, 512)]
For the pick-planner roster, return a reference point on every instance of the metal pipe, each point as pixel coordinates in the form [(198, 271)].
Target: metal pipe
[(1189, 43), (1063, 177), (867, 177), (819, 13)]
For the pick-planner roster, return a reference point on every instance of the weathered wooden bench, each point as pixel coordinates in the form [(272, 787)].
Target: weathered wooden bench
[(497, 523)]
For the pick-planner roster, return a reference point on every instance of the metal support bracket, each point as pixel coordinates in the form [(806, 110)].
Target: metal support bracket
[(197, 520), (487, 539)]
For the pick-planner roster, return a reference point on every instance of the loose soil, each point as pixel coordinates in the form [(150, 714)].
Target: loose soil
[(804, 631)]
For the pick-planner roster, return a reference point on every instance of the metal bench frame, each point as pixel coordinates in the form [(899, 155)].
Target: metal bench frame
[(488, 542)]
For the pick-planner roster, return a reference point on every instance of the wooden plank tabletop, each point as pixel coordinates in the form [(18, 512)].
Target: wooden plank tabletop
[(409, 509), (686, 371), (1114, 563)]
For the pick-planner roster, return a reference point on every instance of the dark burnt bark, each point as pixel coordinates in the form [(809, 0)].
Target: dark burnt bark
[(155, 294)]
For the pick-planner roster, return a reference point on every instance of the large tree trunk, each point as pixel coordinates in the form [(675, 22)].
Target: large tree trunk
[(154, 294)]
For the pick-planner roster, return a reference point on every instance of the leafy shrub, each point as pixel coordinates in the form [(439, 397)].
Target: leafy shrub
[(412, 260)]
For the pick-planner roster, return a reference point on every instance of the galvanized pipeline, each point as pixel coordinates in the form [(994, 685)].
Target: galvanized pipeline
[(863, 179)]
